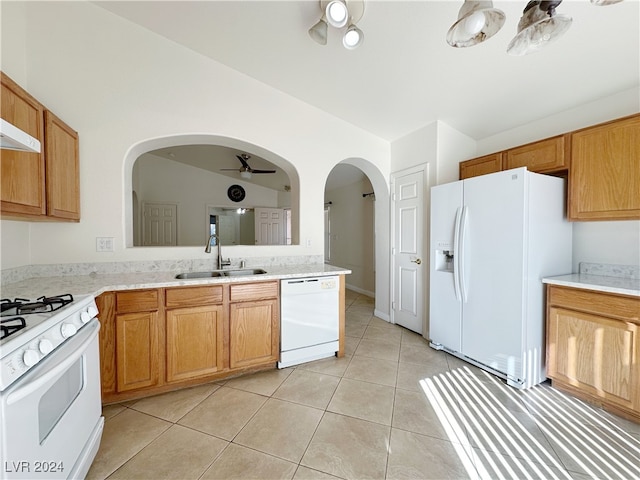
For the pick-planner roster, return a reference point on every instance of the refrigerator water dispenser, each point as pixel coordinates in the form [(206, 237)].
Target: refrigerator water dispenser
[(444, 261)]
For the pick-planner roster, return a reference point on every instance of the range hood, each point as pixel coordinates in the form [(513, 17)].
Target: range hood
[(12, 138)]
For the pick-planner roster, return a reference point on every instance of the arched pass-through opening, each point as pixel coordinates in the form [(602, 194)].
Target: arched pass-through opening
[(291, 190), (357, 228)]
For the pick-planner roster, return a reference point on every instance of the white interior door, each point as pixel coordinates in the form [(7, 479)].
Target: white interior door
[(270, 226), (160, 225), (409, 269)]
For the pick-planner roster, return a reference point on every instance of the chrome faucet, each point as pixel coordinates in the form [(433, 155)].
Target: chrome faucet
[(221, 263)]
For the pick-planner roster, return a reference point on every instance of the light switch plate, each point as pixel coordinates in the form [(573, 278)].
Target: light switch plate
[(104, 244)]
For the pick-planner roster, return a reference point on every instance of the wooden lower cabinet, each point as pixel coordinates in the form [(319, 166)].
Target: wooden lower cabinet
[(106, 304), (195, 342), (137, 350), (157, 340), (593, 347), (254, 333)]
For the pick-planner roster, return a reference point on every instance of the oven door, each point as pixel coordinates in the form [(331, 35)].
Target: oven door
[(51, 415)]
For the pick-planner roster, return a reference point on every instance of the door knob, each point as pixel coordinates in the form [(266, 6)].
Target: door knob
[(417, 260)]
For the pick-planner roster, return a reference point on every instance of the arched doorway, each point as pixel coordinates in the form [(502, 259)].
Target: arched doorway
[(357, 234)]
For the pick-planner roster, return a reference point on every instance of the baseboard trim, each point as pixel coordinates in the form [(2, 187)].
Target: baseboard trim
[(360, 290)]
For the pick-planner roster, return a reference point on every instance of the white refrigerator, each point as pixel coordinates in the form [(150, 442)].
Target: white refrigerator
[(493, 239)]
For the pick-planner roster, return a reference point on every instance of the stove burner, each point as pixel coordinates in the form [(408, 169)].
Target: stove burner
[(23, 306), (45, 304), (10, 326), (6, 304)]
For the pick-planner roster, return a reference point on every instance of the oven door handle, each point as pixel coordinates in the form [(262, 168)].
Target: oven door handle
[(70, 351)]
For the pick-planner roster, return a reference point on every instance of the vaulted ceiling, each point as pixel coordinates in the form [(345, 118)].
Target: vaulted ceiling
[(405, 75)]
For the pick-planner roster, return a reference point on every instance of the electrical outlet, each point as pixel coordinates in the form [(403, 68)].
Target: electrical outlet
[(308, 242), (104, 244)]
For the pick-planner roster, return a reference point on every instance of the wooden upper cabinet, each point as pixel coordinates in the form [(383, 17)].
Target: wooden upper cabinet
[(541, 157), (45, 185), (604, 179), (63, 168), (22, 173), (481, 166)]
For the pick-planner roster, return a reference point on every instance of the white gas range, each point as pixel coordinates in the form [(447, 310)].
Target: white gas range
[(50, 407)]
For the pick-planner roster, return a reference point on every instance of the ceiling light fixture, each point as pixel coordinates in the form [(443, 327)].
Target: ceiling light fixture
[(538, 27), (352, 38), (319, 31), (477, 22), (339, 14)]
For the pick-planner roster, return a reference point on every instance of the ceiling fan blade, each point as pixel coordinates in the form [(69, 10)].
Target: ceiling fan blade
[(230, 169), (263, 171), (244, 162)]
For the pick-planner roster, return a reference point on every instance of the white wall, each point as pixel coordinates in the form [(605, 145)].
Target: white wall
[(120, 85), (598, 242), (192, 189), (437, 144), (352, 234)]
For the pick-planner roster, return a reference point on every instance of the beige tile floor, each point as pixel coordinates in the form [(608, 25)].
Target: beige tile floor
[(391, 408)]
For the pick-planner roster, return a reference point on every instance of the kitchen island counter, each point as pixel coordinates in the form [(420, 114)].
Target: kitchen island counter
[(96, 284)]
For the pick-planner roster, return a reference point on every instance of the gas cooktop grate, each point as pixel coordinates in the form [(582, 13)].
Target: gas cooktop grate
[(22, 306), (9, 326)]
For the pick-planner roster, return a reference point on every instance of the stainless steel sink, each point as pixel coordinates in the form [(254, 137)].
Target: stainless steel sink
[(192, 275), (221, 273), (244, 271)]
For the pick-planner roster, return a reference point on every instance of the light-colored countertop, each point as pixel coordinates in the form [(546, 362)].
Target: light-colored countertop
[(95, 284), (599, 283)]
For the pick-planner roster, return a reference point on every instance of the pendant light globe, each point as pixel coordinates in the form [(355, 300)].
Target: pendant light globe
[(538, 28), (477, 21)]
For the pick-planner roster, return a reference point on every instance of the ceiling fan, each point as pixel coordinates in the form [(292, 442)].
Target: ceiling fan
[(246, 170)]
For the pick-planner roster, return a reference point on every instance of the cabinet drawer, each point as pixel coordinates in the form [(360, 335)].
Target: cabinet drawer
[(189, 296), (137, 301), (253, 291), (609, 305), (543, 156)]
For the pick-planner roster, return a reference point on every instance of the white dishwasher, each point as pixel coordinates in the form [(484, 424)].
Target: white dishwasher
[(309, 319)]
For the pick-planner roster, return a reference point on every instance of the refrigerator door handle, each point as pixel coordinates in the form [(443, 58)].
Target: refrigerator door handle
[(461, 259), (456, 255)]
